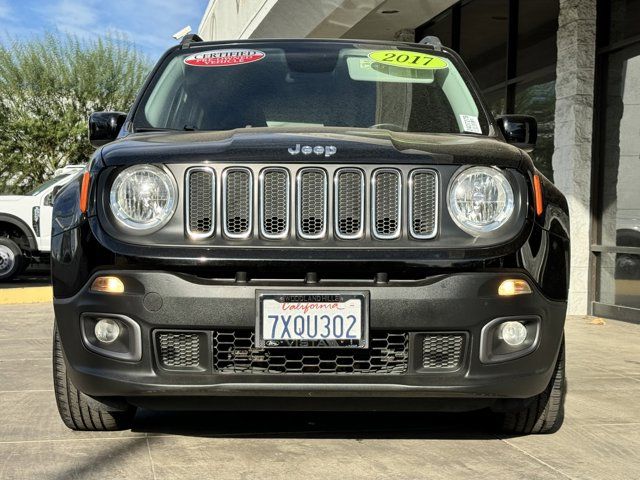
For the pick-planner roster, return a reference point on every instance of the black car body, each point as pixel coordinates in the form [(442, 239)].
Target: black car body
[(300, 217)]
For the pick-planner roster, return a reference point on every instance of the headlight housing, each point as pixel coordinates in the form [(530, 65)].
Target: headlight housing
[(480, 200), (143, 197)]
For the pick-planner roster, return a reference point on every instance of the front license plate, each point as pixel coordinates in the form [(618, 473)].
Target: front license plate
[(312, 320)]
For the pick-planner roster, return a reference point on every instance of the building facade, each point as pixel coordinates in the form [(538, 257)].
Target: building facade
[(573, 64)]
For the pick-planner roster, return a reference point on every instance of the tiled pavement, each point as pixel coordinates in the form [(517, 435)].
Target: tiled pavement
[(600, 438)]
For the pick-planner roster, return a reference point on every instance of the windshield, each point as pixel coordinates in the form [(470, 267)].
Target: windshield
[(42, 187), (311, 85)]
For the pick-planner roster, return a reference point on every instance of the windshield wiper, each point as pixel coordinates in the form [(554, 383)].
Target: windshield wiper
[(156, 129), (187, 128)]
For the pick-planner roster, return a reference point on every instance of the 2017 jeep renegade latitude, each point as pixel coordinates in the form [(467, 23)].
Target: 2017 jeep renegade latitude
[(310, 224)]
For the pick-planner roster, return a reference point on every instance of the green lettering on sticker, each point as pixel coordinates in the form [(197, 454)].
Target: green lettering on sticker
[(408, 59)]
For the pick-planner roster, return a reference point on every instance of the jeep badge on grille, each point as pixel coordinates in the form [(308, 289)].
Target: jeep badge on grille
[(327, 150)]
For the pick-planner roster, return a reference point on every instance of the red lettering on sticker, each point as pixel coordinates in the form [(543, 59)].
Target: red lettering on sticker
[(307, 307), (223, 58)]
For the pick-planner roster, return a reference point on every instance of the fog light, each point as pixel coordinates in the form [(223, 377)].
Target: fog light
[(512, 287), (107, 285), (512, 333), (107, 330)]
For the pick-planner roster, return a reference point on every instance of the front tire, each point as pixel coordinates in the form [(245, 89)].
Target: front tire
[(79, 411), (545, 412), (11, 259)]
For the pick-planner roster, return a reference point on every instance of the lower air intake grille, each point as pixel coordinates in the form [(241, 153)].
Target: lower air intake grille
[(442, 351), (235, 352), (179, 350)]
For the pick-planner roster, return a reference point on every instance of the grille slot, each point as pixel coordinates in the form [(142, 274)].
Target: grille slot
[(238, 202), (274, 203), (235, 352), (349, 200), (386, 203), (423, 203), (179, 350), (442, 351), (312, 203), (201, 194)]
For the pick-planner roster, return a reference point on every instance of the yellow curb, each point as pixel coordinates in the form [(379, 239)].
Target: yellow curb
[(26, 295)]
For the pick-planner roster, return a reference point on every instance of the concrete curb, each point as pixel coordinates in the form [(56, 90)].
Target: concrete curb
[(26, 295)]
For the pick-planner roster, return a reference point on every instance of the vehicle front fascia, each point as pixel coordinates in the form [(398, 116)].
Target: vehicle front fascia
[(202, 287)]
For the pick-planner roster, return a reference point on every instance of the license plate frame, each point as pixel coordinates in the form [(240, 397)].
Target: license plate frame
[(313, 297)]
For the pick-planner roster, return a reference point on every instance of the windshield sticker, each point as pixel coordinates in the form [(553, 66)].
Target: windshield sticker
[(470, 124), (408, 59), (224, 58)]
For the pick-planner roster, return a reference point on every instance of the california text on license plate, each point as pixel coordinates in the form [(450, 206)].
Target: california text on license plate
[(312, 320)]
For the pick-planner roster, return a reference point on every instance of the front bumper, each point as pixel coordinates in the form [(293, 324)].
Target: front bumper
[(460, 302)]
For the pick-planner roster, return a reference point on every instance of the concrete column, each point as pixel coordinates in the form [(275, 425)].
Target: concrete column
[(573, 134)]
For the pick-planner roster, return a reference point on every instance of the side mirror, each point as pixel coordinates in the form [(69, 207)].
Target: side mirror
[(519, 130), (104, 127)]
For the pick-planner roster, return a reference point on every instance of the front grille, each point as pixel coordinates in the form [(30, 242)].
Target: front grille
[(235, 352), (201, 194), (238, 202), (349, 203), (387, 203), (423, 203), (362, 203), (312, 203), (274, 202), (179, 350), (442, 351)]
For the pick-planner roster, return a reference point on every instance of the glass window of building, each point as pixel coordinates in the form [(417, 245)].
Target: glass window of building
[(537, 27), (483, 40), (510, 48), (538, 98), (619, 20), (619, 265), (440, 27)]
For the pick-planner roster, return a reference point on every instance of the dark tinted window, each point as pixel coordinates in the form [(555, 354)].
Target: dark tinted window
[(537, 28), (622, 18)]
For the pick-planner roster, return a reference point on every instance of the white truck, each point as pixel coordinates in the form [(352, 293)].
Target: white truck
[(25, 224)]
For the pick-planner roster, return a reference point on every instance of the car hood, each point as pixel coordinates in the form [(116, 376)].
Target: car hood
[(12, 198), (16, 204), (350, 146)]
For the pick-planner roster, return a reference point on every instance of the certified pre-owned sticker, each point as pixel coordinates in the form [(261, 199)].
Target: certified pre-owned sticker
[(408, 59), (224, 58)]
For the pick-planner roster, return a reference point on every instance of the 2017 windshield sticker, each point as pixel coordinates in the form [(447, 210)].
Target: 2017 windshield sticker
[(224, 58), (408, 59), (470, 124)]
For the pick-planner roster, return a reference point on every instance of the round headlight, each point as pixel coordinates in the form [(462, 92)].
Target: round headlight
[(480, 200), (143, 197)]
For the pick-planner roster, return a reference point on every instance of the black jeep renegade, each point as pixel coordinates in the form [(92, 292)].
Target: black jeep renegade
[(310, 224)]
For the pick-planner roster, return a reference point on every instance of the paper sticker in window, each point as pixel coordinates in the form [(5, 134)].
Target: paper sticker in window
[(408, 59), (224, 58), (470, 124)]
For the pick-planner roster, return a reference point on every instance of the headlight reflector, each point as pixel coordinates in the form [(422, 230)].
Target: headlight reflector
[(143, 197), (480, 200)]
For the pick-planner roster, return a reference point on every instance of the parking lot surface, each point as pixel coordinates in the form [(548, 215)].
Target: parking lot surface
[(600, 437)]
